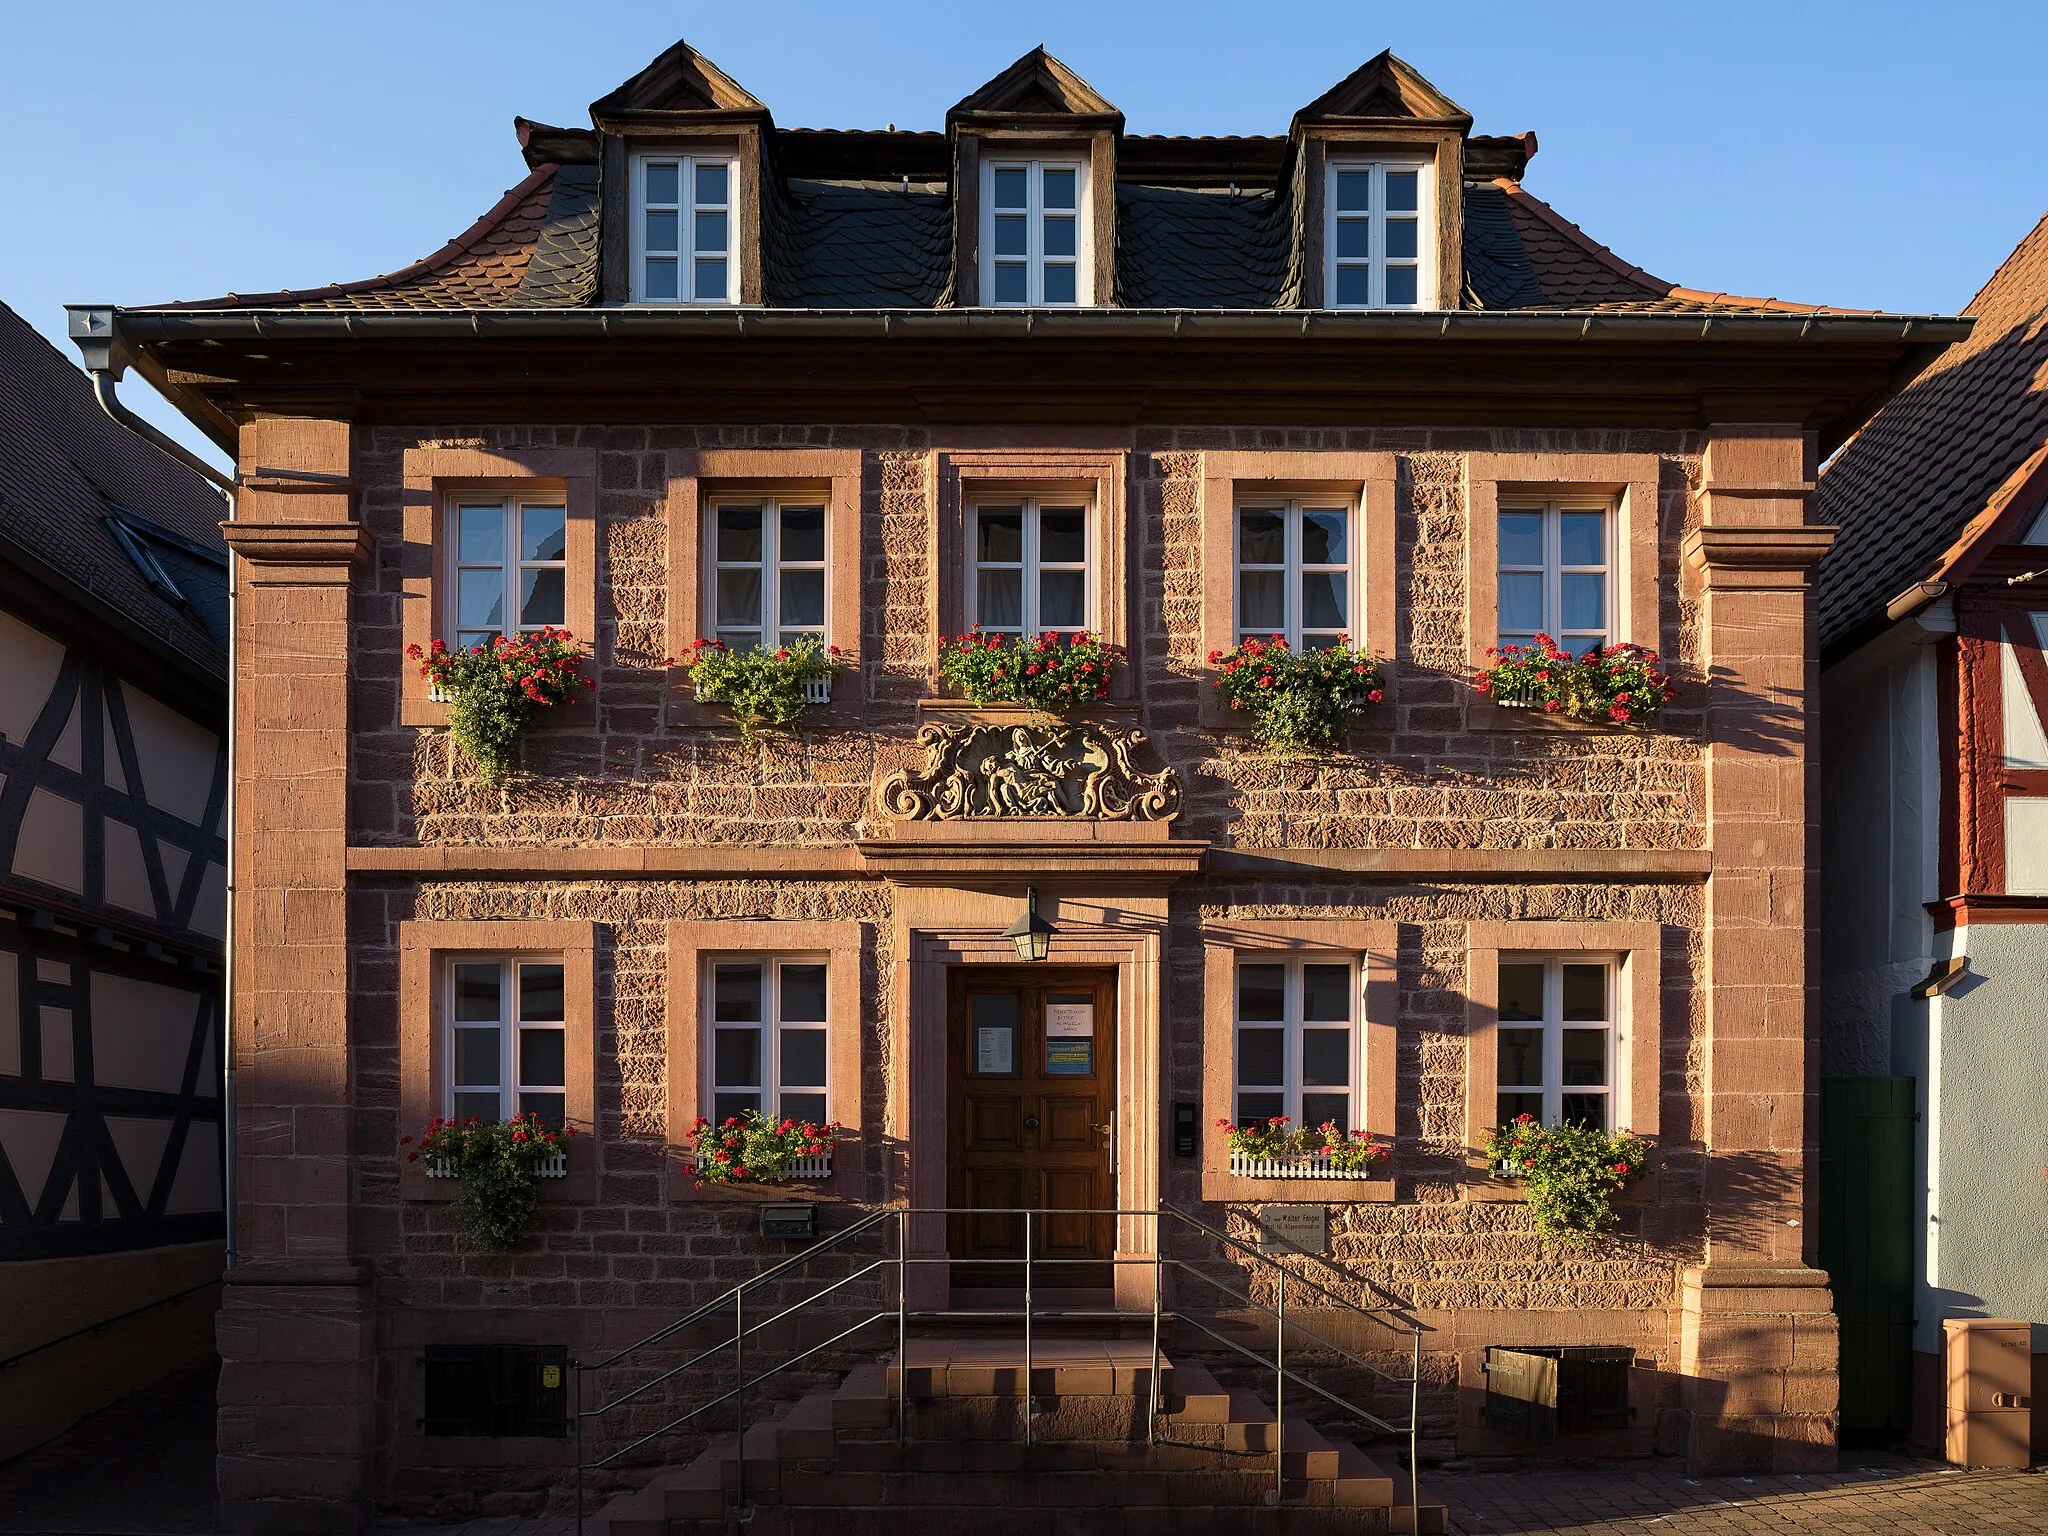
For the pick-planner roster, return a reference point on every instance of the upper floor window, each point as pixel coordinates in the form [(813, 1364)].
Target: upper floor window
[(768, 1032), (1297, 1041), (1376, 236), (1555, 1041), (507, 1039), (1294, 573), (768, 570), (1030, 567), (683, 208), (511, 566), (1555, 569), (1033, 236)]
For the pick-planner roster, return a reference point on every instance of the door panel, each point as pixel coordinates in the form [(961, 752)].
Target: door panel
[(1031, 1084)]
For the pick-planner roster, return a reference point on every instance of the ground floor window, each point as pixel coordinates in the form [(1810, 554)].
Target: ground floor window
[(1554, 1046), (507, 1038), (769, 1038), (1296, 1041)]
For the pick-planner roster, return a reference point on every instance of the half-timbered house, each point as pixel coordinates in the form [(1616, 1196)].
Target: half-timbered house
[(700, 374), (113, 899), (1934, 917)]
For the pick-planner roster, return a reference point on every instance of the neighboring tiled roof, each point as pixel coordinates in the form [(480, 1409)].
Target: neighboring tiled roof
[(857, 245), (1188, 248), (65, 470), (1929, 462)]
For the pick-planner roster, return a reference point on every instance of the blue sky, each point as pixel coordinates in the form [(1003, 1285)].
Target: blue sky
[(1823, 152)]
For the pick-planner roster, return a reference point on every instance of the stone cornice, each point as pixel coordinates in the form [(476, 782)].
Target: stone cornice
[(1006, 853), (1721, 548), (298, 543)]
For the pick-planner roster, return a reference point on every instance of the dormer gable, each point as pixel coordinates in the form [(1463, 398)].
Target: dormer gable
[(683, 152), (1379, 162), (1034, 183)]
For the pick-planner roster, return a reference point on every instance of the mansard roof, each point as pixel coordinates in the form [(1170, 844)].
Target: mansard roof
[(1948, 465), (861, 219)]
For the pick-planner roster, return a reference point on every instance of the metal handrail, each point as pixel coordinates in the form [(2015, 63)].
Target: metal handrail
[(897, 1219)]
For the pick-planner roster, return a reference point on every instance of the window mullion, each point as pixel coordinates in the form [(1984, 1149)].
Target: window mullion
[(1553, 1042), (771, 573), (508, 1028), (1290, 572), (1027, 556)]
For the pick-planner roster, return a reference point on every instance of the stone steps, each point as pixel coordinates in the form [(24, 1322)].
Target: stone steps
[(829, 1464)]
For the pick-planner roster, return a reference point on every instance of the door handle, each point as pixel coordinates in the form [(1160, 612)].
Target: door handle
[(1031, 1122)]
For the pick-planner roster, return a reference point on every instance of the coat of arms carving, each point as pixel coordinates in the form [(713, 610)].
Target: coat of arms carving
[(1079, 770)]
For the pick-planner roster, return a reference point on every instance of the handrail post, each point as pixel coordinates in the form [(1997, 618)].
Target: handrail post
[(1158, 1297), (1280, 1389), (1027, 1328), (1414, 1420), (739, 1382), (903, 1329)]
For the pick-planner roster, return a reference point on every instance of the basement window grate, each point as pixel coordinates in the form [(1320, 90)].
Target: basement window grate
[(1540, 1391), (497, 1390)]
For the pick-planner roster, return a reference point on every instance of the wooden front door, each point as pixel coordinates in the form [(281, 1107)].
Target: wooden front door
[(1031, 1105)]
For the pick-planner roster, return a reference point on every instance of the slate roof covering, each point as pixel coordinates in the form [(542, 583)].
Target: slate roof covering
[(1910, 483), (1189, 247), (857, 245), (67, 472)]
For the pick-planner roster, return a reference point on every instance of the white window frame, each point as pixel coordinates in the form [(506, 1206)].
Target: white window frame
[(1375, 218), (771, 1025), (1291, 568), (1553, 1024), (509, 1027), (1292, 1025), (771, 565), (1035, 258), (511, 507), (686, 209), (1553, 570), (1029, 625)]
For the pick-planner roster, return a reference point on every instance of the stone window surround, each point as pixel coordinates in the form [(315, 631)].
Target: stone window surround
[(429, 477), (690, 943), (1100, 475), (1228, 478), (1372, 944), (1629, 479), (1638, 1022), (422, 946), (835, 474)]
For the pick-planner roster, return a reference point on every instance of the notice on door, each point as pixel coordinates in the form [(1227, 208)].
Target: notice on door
[(995, 1050), (1069, 1058), (1069, 1019)]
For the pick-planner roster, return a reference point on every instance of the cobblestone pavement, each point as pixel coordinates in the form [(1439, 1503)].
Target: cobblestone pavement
[(1881, 1495), (145, 1468)]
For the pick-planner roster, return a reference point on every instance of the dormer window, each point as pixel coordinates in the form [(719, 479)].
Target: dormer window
[(1034, 239), (683, 219), (1376, 238)]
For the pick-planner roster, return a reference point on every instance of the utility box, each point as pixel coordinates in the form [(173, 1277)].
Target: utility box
[(1990, 1364), (1539, 1391), (795, 1220)]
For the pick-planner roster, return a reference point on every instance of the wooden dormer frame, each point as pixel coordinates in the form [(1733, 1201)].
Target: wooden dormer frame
[(1037, 108), (1383, 109), (680, 103)]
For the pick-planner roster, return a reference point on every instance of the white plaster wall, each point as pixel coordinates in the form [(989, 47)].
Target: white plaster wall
[(1982, 1057)]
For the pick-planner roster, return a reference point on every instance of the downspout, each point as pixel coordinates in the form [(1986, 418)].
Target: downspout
[(103, 390)]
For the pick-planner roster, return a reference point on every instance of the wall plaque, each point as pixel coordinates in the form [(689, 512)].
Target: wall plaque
[(1075, 770), (1294, 1229)]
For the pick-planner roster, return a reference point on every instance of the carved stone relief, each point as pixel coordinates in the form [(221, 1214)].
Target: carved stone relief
[(1079, 770)]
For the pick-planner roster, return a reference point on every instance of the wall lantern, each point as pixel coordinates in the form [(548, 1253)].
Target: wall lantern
[(1031, 933)]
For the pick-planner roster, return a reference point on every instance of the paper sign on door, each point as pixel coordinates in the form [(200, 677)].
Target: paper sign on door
[(1070, 1021), (994, 1050), (1069, 1058)]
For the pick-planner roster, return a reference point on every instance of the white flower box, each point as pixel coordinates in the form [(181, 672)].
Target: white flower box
[(818, 691), (1316, 1165), (556, 1167), (814, 1166)]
